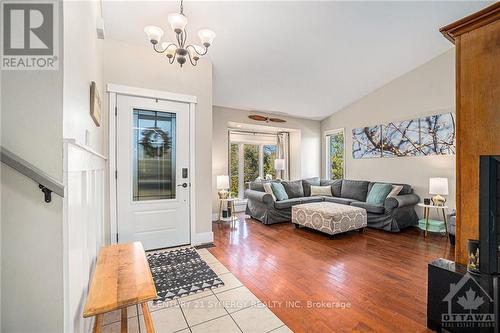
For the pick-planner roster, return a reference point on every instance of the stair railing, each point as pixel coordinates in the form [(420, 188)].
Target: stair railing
[(45, 182)]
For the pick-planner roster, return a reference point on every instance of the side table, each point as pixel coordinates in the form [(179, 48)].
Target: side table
[(427, 210)]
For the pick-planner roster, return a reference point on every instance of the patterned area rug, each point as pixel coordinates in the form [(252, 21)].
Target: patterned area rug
[(181, 272)]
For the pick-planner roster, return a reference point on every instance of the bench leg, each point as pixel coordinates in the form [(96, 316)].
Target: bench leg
[(361, 230), (98, 323), (147, 318), (124, 323), (331, 236), (296, 226)]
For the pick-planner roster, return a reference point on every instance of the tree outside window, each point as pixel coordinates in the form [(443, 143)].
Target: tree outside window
[(336, 154), (270, 154)]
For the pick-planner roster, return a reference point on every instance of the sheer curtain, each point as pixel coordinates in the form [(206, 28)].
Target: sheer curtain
[(284, 152)]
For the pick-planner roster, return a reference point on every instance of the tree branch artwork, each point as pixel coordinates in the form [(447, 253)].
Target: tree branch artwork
[(433, 135)]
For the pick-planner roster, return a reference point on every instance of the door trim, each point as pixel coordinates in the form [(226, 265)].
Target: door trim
[(114, 90)]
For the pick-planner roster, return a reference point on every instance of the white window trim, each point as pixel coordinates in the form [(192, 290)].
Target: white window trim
[(326, 134)]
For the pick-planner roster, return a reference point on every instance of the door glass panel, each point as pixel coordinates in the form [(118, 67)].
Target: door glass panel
[(154, 155)]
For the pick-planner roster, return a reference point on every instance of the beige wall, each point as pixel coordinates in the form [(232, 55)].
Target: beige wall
[(304, 144), (140, 66), (427, 90)]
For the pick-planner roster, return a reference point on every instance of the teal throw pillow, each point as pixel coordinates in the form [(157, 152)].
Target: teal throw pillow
[(279, 191), (378, 193)]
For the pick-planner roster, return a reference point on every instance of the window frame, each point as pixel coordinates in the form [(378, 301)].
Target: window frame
[(326, 140), (241, 183)]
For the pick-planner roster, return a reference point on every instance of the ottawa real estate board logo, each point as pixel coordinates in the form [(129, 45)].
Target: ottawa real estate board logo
[(469, 305), (30, 35)]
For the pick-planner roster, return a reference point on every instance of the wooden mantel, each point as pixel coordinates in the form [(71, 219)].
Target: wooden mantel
[(477, 41)]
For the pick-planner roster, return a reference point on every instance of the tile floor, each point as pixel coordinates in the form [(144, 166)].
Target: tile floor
[(227, 309)]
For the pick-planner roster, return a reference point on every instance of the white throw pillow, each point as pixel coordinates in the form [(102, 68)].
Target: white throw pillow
[(269, 189), (395, 190), (321, 190)]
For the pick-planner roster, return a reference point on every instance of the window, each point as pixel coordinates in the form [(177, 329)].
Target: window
[(335, 154), (270, 153), (234, 167), (247, 161)]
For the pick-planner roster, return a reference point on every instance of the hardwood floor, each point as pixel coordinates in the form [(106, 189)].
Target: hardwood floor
[(375, 280)]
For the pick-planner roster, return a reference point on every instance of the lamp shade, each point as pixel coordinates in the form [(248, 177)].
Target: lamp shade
[(206, 36), (438, 186), (177, 21), (154, 33), (279, 164), (222, 182)]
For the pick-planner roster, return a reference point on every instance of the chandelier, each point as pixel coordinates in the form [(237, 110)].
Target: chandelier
[(179, 50)]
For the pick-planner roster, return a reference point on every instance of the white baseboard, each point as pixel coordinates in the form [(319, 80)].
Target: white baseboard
[(204, 238)]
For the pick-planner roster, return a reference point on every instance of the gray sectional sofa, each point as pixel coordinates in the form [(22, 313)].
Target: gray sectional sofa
[(397, 212)]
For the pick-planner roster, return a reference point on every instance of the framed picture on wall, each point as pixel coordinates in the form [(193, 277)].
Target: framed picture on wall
[(95, 104)]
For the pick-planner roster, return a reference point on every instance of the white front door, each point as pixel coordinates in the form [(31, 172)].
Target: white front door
[(152, 161)]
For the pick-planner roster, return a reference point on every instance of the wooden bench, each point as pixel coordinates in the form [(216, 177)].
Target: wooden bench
[(122, 278)]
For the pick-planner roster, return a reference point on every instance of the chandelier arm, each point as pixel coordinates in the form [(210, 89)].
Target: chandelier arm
[(171, 60), (165, 49), (191, 60), (194, 48)]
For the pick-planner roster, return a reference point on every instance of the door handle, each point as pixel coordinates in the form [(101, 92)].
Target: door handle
[(183, 185)]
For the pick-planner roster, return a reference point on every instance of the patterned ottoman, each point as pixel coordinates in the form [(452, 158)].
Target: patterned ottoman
[(329, 217)]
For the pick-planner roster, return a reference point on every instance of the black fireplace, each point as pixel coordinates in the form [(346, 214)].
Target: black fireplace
[(489, 221)]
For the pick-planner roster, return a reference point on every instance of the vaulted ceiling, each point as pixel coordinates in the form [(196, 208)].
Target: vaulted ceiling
[(306, 59)]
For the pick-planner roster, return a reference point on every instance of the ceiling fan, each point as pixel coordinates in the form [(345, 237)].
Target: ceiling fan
[(266, 119)]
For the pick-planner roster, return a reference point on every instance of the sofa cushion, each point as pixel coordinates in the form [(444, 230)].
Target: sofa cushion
[(369, 208), (321, 190), (294, 188), (336, 185), (269, 189), (284, 204), (310, 199), (258, 185), (306, 184), (354, 189), (378, 193), (405, 190), (344, 201), (279, 191)]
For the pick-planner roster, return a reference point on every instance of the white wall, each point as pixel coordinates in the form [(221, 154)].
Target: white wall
[(304, 144), (140, 66), (427, 90), (85, 207), (83, 63), (31, 240), (38, 109)]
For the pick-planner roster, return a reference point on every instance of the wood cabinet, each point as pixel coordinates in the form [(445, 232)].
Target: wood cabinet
[(477, 41)]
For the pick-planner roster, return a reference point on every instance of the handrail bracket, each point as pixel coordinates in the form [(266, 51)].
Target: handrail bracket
[(46, 192)]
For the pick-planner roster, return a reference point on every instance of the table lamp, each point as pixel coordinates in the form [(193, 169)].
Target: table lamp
[(439, 187), (279, 165), (223, 186)]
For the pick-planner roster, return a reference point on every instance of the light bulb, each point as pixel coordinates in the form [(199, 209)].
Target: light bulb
[(177, 22), (154, 33), (206, 36), (169, 49)]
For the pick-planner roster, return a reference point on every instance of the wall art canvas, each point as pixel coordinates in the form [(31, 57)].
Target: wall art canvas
[(432, 135), (367, 142), (437, 134), (401, 139)]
